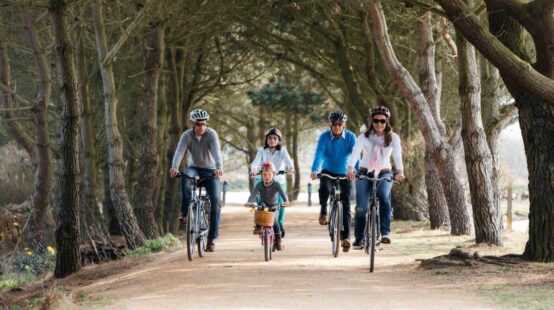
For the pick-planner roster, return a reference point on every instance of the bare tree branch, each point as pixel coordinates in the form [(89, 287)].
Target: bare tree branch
[(126, 34)]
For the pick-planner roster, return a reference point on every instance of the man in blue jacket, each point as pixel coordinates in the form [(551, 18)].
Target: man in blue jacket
[(334, 147)]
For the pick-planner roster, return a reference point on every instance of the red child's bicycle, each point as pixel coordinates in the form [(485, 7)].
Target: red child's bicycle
[(264, 216)]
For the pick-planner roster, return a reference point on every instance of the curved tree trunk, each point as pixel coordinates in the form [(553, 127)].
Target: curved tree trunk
[(148, 179), (123, 211), (15, 130), (441, 151), (431, 87), (67, 233), (487, 215), (532, 88), (535, 119)]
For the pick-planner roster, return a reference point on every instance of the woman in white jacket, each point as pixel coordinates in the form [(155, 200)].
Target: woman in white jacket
[(373, 149), (273, 152)]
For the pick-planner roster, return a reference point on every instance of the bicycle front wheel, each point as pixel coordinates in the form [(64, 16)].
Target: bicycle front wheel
[(190, 233), (267, 246), (373, 237), (337, 227), (204, 224)]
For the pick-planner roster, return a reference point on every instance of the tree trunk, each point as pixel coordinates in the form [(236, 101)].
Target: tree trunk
[(124, 213), (67, 232), (295, 190), (252, 148), (148, 179), (441, 151), (438, 207), (533, 92), (163, 167), (171, 209), (40, 233), (487, 215), (108, 207), (535, 119)]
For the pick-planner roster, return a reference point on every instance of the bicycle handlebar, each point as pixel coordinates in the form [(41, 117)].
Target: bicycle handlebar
[(180, 174), (319, 175), (363, 176)]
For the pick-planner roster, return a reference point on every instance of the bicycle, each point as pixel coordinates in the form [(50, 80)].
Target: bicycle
[(371, 231), (197, 225), (335, 224), (265, 217)]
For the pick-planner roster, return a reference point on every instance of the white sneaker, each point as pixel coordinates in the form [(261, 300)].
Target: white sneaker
[(385, 239)]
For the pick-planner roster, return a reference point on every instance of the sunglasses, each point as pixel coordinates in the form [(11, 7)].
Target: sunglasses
[(382, 121), (200, 124), (337, 124)]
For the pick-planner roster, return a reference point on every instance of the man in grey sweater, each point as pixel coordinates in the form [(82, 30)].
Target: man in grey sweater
[(205, 159)]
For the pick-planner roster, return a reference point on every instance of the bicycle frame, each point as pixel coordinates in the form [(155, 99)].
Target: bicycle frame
[(371, 230), (335, 223), (197, 213), (267, 234)]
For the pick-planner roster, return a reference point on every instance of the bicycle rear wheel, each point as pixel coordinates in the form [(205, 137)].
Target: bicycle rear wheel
[(267, 247), (190, 232), (373, 237)]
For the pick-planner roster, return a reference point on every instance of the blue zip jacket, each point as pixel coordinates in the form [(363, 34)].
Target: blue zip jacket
[(332, 153)]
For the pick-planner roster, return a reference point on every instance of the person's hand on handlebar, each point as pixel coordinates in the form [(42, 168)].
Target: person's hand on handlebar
[(218, 173), (399, 177), (313, 175), (350, 173), (252, 174), (173, 172), (286, 204), (248, 205)]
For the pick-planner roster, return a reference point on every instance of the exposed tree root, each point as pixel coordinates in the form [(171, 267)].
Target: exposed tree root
[(460, 258)]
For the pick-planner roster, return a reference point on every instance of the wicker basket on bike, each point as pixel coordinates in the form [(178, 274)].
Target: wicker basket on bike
[(264, 218)]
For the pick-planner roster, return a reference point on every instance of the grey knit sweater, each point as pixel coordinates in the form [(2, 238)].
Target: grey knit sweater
[(204, 152)]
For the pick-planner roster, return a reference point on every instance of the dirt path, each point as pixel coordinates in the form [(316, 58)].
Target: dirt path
[(303, 276)]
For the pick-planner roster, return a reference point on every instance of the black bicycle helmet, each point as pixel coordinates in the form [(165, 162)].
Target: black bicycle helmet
[(274, 131), (381, 110), (337, 116)]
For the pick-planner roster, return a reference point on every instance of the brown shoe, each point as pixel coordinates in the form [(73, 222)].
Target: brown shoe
[(323, 219), (278, 243), (345, 245), (210, 247)]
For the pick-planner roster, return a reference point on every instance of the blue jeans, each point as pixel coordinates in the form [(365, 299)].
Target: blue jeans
[(213, 188), (363, 195)]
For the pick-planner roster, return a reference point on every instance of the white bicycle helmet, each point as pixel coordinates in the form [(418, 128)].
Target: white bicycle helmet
[(199, 115)]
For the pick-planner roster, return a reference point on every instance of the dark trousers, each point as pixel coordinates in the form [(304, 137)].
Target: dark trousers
[(326, 189), (213, 188)]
